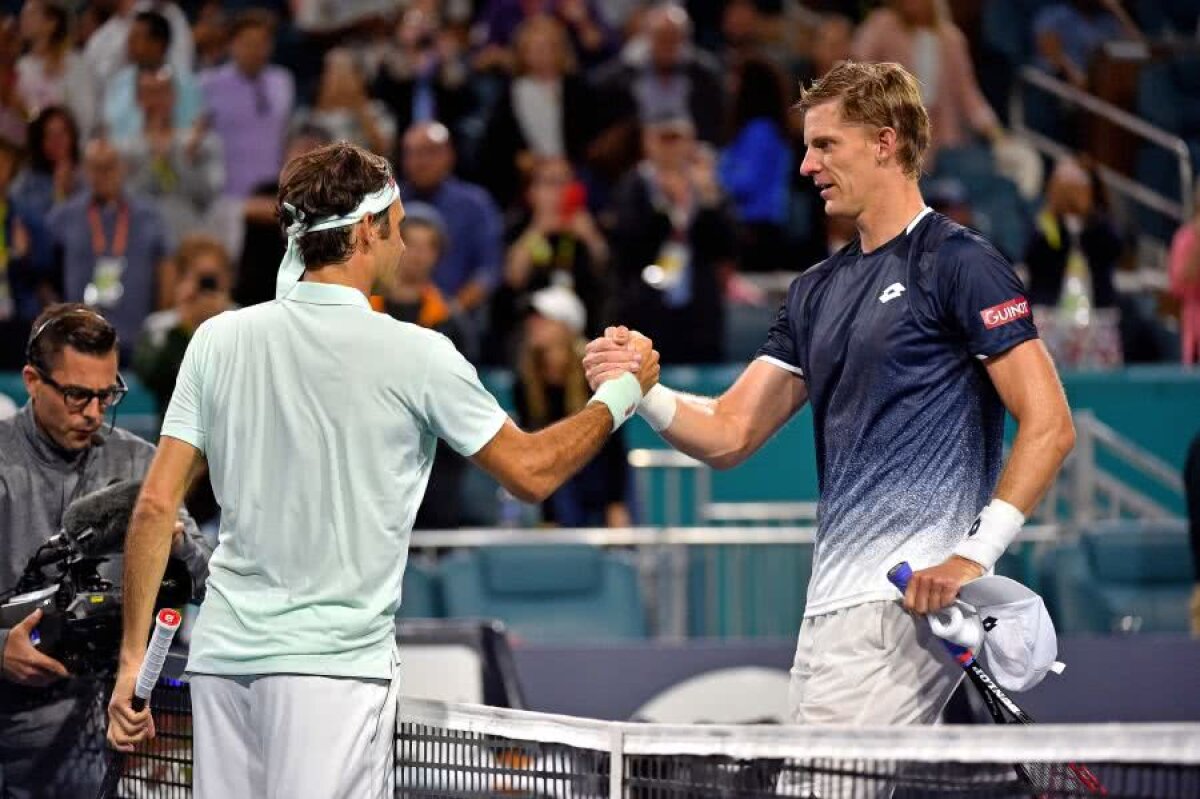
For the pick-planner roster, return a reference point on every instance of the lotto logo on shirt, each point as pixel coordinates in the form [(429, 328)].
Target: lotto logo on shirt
[(1005, 312)]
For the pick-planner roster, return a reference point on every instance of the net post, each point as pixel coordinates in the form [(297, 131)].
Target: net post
[(616, 765)]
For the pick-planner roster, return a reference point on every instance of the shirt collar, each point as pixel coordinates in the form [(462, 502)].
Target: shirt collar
[(327, 294)]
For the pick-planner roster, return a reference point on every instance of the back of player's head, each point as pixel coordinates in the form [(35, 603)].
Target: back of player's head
[(880, 95), (326, 182)]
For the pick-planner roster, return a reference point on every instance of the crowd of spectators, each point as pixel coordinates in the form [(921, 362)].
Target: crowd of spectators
[(639, 156)]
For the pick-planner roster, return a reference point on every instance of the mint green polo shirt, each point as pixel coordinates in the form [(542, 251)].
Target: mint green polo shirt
[(319, 419)]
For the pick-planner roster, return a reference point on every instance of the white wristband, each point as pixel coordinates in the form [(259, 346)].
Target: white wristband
[(992, 532), (621, 395), (658, 407)]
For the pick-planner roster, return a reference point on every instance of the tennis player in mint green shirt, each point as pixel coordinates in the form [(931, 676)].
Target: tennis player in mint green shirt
[(318, 419)]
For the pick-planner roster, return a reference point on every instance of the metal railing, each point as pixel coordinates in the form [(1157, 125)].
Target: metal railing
[(1123, 184), (698, 581)]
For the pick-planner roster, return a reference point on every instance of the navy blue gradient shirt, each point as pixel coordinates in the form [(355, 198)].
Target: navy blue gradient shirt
[(908, 426)]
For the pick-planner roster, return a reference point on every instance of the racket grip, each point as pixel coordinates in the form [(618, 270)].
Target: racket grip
[(156, 655), (900, 574)]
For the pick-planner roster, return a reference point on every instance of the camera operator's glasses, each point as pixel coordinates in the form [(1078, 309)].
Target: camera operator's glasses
[(77, 397)]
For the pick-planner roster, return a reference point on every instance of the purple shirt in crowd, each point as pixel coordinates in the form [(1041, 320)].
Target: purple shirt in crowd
[(251, 116)]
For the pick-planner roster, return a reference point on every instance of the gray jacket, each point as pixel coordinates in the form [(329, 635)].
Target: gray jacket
[(38, 480)]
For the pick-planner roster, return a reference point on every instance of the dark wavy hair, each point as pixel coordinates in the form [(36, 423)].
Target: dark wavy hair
[(331, 181), (37, 137)]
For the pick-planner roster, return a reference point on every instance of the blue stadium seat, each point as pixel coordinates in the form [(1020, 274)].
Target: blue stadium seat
[(746, 329), (1132, 576), (1168, 97), (419, 598), (547, 593)]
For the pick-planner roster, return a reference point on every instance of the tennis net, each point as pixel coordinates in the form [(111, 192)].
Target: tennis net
[(459, 751)]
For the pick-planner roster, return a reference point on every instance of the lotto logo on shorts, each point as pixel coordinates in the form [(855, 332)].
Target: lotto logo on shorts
[(1005, 312)]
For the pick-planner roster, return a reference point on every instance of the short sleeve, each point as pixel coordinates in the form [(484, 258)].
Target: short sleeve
[(184, 418), (781, 348), (982, 297), (455, 405)]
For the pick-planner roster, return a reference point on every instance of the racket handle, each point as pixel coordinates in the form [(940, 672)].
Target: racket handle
[(900, 574), (156, 655)]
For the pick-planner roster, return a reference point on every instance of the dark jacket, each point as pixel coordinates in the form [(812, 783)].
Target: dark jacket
[(496, 161), (689, 333), (1048, 251)]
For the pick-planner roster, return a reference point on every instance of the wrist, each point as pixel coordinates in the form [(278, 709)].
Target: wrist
[(658, 407), (621, 396), (994, 529)]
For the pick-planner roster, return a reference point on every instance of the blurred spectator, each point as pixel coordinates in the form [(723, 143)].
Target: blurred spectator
[(544, 111), (557, 242), (1191, 487), (472, 264), (249, 102), (181, 169), (1074, 249), (211, 32), (949, 196), (201, 288), (344, 108), (749, 28), (332, 18), (501, 19), (106, 50), (413, 297), (1184, 269), (262, 240), (550, 385), (13, 116), (1071, 260), (51, 73), (673, 243), (25, 284), (53, 172), (1069, 33), (921, 35), (834, 42), (424, 76), (660, 72), (755, 169), (149, 38), (112, 245)]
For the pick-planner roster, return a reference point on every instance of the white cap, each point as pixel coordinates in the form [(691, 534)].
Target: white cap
[(1019, 643), (560, 304)]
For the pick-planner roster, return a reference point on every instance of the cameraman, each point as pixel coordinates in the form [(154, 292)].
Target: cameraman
[(53, 452)]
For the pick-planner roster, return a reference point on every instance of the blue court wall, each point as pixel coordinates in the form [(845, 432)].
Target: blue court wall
[(1158, 407)]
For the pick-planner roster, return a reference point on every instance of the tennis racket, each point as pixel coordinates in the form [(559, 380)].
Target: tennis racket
[(165, 626), (1045, 778)]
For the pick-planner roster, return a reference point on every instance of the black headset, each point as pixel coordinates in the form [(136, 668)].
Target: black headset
[(53, 320)]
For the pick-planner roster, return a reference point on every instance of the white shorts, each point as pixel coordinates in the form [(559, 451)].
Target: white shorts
[(293, 737), (870, 664)]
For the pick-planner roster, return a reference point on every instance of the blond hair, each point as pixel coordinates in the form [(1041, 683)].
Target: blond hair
[(882, 95)]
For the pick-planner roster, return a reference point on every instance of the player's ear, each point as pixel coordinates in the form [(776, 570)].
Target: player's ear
[(885, 144)]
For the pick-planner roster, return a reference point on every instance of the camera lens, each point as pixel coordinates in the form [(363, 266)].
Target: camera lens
[(207, 283)]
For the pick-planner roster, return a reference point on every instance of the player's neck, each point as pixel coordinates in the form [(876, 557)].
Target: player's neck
[(353, 273), (886, 220)]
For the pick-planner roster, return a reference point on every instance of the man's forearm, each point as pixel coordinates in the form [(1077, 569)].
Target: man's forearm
[(146, 550), (557, 452), (700, 430), (1037, 455)]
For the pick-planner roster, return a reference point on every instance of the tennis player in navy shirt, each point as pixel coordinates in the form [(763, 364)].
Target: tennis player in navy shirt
[(910, 343)]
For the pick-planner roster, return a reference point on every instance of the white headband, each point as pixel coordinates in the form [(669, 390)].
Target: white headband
[(291, 268)]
